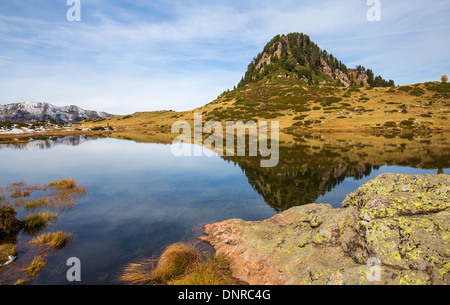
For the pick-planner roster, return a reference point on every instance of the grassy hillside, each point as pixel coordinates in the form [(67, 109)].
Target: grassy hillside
[(302, 108), (308, 90)]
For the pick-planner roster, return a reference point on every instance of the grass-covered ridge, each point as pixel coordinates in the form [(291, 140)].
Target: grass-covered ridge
[(301, 108), (305, 88)]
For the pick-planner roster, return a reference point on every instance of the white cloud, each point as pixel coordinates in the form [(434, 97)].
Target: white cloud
[(120, 60)]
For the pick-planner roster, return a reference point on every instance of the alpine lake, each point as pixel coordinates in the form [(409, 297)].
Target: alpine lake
[(141, 198)]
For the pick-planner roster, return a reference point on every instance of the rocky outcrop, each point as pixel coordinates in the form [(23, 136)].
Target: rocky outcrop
[(394, 229)]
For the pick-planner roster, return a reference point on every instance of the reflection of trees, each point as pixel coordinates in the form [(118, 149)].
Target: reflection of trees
[(301, 180), (305, 173)]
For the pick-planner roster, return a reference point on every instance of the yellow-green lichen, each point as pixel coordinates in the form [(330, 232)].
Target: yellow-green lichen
[(445, 269), (414, 278)]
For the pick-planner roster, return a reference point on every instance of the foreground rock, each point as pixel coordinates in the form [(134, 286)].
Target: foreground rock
[(394, 229)]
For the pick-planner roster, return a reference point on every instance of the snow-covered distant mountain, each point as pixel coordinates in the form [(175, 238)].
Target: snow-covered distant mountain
[(26, 112)]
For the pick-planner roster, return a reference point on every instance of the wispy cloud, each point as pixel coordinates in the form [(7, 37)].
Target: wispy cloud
[(127, 56)]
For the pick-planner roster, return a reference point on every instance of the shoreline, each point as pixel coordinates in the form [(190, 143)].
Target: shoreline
[(20, 136)]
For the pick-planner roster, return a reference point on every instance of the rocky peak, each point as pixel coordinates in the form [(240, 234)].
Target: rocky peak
[(296, 54)]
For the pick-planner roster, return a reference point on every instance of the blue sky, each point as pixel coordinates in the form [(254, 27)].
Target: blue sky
[(133, 55)]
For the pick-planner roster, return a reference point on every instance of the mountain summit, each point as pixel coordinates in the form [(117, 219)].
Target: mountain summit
[(299, 57), (26, 112)]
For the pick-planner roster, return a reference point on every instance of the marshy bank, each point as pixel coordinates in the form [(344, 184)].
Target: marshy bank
[(38, 205)]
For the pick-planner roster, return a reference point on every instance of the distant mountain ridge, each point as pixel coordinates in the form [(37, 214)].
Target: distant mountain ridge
[(39, 111)]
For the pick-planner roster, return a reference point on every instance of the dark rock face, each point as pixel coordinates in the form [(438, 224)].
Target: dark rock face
[(394, 229), (27, 112)]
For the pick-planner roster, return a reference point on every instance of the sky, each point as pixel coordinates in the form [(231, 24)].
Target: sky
[(125, 56)]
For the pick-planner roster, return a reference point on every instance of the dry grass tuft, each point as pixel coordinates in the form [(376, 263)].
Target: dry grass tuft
[(67, 190), (20, 282), (6, 250), (33, 223), (37, 204), (63, 184), (19, 193), (139, 273), (174, 262), (215, 271), (179, 264), (55, 240), (38, 263), (15, 185)]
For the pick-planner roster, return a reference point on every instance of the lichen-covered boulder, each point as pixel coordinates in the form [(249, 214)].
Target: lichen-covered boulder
[(407, 224), (393, 230)]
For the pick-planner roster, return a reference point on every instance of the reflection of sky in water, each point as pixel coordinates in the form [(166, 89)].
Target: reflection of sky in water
[(141, 198), (338, 194)]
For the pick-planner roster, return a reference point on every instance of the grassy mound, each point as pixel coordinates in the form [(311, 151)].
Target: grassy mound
[(179, 264)]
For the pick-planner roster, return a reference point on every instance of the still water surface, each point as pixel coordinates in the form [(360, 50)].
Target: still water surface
[(140, 198)]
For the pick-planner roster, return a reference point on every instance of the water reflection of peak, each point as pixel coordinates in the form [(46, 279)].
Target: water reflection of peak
[(301, 186), (311, 169), (49, 142)]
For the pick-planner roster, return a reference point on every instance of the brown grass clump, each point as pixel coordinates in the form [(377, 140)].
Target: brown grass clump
[(64, 198), (63, 184), (174, 262), (15, 185), (20, 193), (21, 282), (138, 273), (5, 251), (37, 203), (66, 191), (179, 264), (55, 240), (33, 223), (215, 271), (38, 263)]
